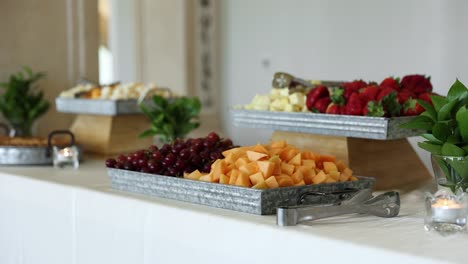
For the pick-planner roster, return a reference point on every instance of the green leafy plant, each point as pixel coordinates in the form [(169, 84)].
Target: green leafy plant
[(446, 133), (21, 103), (172, 118)]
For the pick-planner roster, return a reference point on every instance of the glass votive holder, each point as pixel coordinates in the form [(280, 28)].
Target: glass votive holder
[(65, 157), (446, 213)]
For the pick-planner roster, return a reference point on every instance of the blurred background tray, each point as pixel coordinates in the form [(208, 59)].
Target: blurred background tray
[(367, 127), (99, 107), (248, 200)]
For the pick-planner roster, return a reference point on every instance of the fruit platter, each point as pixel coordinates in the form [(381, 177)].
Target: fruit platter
[(351, 109), (111, 100), (252, 179)]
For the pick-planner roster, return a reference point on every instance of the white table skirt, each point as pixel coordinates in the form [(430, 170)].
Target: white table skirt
[(66, 216)]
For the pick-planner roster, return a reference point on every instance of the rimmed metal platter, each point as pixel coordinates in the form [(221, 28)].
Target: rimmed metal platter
[(325, 124), (99, 107), (248, 200), (13, 155)]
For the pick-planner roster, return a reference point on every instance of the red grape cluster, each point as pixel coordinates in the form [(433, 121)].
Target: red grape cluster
[(176, 158)]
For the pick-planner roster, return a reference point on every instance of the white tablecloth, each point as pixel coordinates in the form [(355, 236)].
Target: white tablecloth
[(72, 216)]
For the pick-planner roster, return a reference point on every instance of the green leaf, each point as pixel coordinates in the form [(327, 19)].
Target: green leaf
[(430, 110), (449, 149), (462, 122), (461, 168), (441, 131), (146, 133), (432, 139), (444, 112), (438, 102), (419, 122), (432, 148), (456, 91)]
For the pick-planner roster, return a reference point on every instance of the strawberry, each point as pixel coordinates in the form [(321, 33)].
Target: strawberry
[(373, 108), (321, 105), (411, 107), (351, 87), (333, 109), (404, 95), (315, 94), (417, 83), (354, 105), (384, 92), (391, 82), (426, 97), (369, 93), (342, 109)]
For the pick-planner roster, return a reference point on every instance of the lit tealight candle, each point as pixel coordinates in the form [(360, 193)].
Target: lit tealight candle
[(447, 210)]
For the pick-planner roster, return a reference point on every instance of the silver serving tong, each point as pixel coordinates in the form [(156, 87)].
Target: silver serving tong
[(384, 205)]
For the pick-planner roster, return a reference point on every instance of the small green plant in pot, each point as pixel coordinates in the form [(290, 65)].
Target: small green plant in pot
[(172, 118), (21, 103), (445, 123)]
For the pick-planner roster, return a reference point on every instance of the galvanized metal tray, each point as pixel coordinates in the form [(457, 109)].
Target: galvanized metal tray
[(16, 155), (248, 200), (325, 124), (99, 107)]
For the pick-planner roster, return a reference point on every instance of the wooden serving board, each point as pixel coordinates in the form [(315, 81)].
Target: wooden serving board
[(111, 134)]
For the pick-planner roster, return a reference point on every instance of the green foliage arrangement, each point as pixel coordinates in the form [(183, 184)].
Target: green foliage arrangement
[(446, 133), (21, 103), (172, 118)]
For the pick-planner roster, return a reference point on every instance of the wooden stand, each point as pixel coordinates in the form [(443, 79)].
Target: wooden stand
[(111, 134), (393, 163)]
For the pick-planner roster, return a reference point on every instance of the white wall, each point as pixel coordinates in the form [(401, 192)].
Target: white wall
[(337, 40)]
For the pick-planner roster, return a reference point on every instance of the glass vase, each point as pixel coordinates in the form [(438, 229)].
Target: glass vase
[(451, 173)]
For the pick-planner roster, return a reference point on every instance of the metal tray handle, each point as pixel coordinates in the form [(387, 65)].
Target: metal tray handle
[(58, 132)]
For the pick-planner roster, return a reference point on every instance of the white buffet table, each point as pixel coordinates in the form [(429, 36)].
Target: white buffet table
[(72, 216)]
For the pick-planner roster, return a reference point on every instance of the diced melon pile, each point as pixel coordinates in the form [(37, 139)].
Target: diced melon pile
[(275, 165)]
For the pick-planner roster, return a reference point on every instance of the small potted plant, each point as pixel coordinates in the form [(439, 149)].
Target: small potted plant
[(21, 103), (445, 123), (172, 118)]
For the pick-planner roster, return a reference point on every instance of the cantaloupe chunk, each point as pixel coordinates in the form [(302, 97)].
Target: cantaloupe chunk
[(256, 178), (234, 175), (266, 167), (334, 175), (296, 160), (330, 180), (324, 158), (301, 183), (277, 162), (241, 161), (288, 153), (308, 163), (307, 173), (284, 180), (319, 178), (217, 168), (223, 179), (249, 168), (329, 167), (254, 156), (260, 148), (271, 182), (344, 177), (233, 151), (348, 172), (243, 180), (195, 175), (260, 185), (278, 144), (297, 176), (275, 151), (309, 155), (287, 169), (353, 178), (206, 178), (341, 165)]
